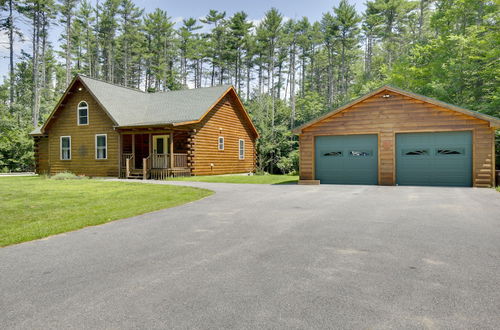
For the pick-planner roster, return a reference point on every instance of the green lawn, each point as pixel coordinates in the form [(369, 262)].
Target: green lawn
[(259, 179), (35, 207), (498, 188)]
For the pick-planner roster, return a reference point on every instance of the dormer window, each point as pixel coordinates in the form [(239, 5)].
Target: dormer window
[(83, 113)]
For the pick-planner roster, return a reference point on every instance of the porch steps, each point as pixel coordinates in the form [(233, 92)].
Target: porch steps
[(135, 174)]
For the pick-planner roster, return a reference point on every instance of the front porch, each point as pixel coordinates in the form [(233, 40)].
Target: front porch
[(154, 155)]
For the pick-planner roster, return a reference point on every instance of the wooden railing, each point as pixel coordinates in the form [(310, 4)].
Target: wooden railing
[(163, 160), (159, 160), (129, 165), (180, 160), (156, 166), (146, 163), (126, 156)]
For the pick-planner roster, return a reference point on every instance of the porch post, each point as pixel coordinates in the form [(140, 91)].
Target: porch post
[(133, 149), (172, 150), (120, 155)]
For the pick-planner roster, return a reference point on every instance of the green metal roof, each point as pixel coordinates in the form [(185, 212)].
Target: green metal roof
[(131, 107)]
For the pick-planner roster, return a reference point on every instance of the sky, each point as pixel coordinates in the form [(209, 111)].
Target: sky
[(181, 9)]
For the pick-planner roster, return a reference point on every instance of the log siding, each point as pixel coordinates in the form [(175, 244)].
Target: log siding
[(198, 140), (227, 120), (83, 138)]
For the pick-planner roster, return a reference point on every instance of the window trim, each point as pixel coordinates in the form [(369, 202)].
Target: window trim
[(219, 140), (241, 149), (78, 113), (61, 147), (105, 146)]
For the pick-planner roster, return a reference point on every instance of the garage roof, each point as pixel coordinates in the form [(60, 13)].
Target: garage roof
[(494, 121)]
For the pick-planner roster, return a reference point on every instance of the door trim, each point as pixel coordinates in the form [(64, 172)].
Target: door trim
[(165, 143)]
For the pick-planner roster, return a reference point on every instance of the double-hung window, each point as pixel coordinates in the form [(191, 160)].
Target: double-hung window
[(65, 147), (241, 149), (221, 143), (83, 113), (101, 146)]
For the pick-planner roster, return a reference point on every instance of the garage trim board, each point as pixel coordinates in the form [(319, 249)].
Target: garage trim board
[(389, 111)]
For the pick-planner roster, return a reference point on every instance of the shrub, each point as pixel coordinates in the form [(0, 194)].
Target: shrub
[(67, 176)]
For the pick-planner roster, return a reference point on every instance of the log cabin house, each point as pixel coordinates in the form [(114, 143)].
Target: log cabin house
[(103, 130), (394, 137)]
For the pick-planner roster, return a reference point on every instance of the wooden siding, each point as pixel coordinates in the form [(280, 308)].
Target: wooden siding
[(225, 119), (41, 155), (83, 159), (398, 114)]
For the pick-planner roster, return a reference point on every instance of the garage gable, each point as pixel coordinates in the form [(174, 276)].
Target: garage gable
[(399, 99), (444, 145)]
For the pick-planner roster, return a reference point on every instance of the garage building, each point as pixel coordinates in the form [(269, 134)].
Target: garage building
[(394, 137)]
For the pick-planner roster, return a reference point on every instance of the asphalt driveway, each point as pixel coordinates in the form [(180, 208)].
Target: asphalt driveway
[(259, 256)]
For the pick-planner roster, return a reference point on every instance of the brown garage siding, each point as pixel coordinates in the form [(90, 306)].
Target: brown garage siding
[(397, 114)]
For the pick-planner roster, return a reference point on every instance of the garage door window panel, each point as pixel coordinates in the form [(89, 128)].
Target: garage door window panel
[(333, 154), (361, 153), (416, 152), (450, 151)]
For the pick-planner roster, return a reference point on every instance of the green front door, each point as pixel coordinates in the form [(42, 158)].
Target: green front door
[(434, 159), (347, 159)]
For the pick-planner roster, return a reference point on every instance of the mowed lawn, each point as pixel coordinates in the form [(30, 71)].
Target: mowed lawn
[(257, 179), (35, 207)]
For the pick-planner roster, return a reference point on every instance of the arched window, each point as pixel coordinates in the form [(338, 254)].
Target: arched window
[(83, 113)]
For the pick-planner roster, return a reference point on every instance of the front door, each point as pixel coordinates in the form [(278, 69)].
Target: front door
[(160, 144), (160, 150)]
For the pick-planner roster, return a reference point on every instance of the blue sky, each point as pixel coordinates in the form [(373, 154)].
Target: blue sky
[(180, 9)]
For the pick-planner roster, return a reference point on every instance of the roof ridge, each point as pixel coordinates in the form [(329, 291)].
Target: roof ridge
[(112, 84), (192, 89)]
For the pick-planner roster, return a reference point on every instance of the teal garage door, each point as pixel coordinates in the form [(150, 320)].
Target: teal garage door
[(434, 159), (347, 159)]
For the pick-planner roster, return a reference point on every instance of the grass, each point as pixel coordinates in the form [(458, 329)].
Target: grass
[(258, 179), (498, 188), (35, 207)]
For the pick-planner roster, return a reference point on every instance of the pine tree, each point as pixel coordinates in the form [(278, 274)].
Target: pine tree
[(67, 10), (186, 45)]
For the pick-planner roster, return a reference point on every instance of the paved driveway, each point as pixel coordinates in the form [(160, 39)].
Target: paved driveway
[(258, 256)]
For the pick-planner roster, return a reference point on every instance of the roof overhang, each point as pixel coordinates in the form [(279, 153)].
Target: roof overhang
[(494, 122)]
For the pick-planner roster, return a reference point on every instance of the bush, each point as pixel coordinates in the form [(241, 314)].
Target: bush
[(68, 176), (290, 163)]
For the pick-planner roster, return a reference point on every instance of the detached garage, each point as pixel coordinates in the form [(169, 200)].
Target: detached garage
[(394, 137)]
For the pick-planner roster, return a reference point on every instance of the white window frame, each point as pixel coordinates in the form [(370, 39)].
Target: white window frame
[(105, 146), (78, 113), (241, 149), (220, 143), (61, 147)]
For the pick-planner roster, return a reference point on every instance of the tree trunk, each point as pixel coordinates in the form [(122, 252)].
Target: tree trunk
[(248, 81), (292, 87), (68, 47), (10, 26), (35, 46)]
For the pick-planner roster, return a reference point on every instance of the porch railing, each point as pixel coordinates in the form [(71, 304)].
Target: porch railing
[(163, 160), (180, 160), (146, 163), (156, 166), (129, 165)]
